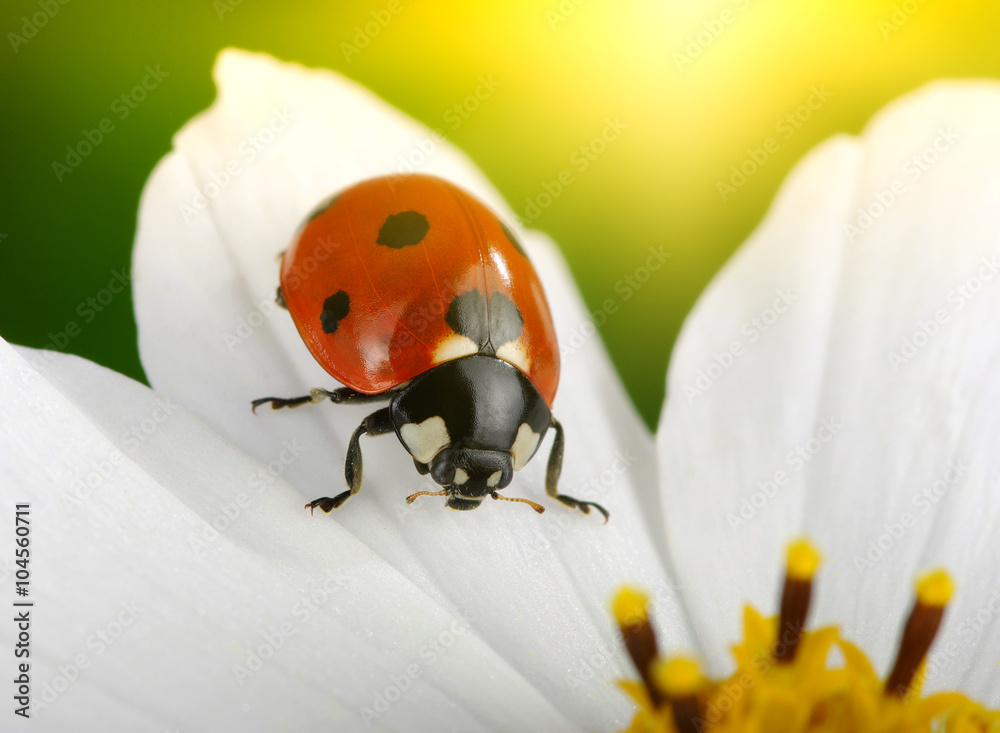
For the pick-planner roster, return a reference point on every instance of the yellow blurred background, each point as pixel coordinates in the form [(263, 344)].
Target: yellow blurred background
[(681, 93)]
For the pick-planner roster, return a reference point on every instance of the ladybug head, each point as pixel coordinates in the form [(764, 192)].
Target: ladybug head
[(470, 475), (470, 423)]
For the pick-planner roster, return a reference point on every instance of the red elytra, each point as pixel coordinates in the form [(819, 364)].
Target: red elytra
[(393, 254)]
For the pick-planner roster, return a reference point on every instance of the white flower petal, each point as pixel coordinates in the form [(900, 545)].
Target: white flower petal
[(137, 505), (935, 226), (536, 588)]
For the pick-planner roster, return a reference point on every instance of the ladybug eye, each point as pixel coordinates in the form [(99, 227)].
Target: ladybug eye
[(443, 471)]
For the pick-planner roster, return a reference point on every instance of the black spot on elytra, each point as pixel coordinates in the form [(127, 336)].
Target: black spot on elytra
[(335, 309), (512, 238), (322, 207), (506, 321), (403, 229), (468, 316)]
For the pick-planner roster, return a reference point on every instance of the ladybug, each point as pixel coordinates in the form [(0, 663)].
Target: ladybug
[(408, 290)]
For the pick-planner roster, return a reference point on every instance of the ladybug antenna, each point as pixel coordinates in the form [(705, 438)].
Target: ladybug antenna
[(537, 507), (412, 497)]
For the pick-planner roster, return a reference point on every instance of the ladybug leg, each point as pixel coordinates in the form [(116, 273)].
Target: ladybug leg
[(555, 468), (348, 396), (278, 402), (378, 423), (341, 396)]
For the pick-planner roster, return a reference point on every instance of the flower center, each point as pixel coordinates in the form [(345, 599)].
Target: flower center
[(784, 680)]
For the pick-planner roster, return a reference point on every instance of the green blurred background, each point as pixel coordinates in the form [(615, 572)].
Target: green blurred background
[(697, 84)]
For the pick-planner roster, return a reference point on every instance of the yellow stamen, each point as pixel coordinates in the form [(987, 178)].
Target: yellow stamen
[(680, 680), (803, 560), (631, 610), (630, 606), (810, 690), (935, 588), (678, 677)]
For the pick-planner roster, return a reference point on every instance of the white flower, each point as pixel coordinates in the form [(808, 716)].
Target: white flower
[(179, 584)]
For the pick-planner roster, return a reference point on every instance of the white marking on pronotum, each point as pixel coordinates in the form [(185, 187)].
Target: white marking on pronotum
[(453, 347), (524, 445), (425, 439), (494, 479), (513, 351), (460, 476)]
